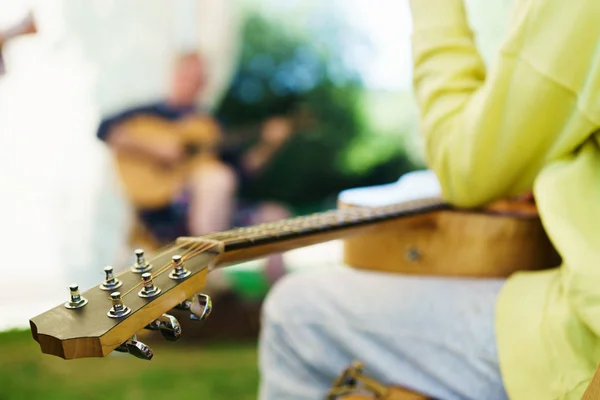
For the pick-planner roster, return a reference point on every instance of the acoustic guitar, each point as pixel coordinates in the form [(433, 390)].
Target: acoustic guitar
[(202, 139), (200, 136), (425, 236)]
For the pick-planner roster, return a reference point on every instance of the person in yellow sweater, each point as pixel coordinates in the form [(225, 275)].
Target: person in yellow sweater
[(530, 122)]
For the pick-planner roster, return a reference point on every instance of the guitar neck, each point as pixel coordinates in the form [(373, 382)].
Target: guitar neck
[(244, 244)]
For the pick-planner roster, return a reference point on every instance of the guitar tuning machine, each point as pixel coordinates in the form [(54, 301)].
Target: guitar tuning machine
[(168, 326), (179, 271), (185, 305), (148, 287), (77, 300), (118, 309), (141, 265), (135, 348), (110, 282), (200, 308)]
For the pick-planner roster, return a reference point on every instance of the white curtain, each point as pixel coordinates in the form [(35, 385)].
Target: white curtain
[(61, 218)]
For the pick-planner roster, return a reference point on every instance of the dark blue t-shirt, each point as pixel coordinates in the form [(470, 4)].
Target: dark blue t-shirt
[(161, 109), (158, 109)]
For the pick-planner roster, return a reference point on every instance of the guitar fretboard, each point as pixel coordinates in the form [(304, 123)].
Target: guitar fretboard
[(324, 222)]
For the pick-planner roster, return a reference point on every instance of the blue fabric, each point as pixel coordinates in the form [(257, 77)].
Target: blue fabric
[(430, 334), (157, 109)]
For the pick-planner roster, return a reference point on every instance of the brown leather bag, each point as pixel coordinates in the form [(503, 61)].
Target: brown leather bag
[(393, 394), (352, 384)]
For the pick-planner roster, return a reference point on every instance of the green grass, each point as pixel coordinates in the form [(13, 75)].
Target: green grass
[(212, 372)]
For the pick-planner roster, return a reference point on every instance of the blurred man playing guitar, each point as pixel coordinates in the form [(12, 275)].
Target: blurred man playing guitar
[(172, 169), (531, 122), (205, 202)]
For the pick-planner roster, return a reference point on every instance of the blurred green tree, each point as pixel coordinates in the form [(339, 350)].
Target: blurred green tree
[(282, 69)]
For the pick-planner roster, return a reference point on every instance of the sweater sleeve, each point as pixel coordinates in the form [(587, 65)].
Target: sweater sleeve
[(488, 133)]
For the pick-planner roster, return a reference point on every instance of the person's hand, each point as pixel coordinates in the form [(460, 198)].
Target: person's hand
[(523, 204), (167, 155), (276, 131), (527, 198)]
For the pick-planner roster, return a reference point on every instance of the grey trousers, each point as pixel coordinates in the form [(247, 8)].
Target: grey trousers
[(432, 335)]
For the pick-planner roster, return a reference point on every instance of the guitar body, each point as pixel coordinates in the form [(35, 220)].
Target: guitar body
[(491, 243), (148, 184), (454, 243)]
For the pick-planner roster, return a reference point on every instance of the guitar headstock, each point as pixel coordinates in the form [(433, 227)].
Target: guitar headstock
[(108, 316)]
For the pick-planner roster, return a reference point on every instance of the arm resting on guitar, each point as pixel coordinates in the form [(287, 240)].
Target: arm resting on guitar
[(490, 136), (165, 153), (113, 131), (487, 135), (274, 134), (257, 158)]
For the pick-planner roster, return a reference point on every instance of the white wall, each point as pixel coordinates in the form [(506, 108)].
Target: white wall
[(61, 219)]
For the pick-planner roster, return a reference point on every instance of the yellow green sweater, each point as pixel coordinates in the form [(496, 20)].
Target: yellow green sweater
[(530, 122)]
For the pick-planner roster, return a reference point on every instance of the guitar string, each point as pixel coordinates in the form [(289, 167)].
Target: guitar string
[(261, 229), (157, 254), (160, 270), (193, 251), (312, 221)]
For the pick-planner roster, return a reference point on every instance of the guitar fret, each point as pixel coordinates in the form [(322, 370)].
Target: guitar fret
[(315, 223)]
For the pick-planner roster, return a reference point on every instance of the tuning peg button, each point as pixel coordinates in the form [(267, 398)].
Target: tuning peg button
[(136, 349), (77, 300), (168, 326), (184, 305), (201, 307)]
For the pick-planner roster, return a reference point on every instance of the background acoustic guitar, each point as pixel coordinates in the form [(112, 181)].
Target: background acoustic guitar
[(147, 183)]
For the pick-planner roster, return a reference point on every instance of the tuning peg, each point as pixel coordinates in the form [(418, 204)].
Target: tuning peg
[(141, 265), (77, 300), (179, 271), (201, 307), (185, 305), (118, 310), (136, 349), (110, 282), (148, 287), (168, 326)]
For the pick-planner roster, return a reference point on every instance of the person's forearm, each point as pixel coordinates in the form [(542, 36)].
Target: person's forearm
[(488, 136), (120, 141), (255, 159)]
